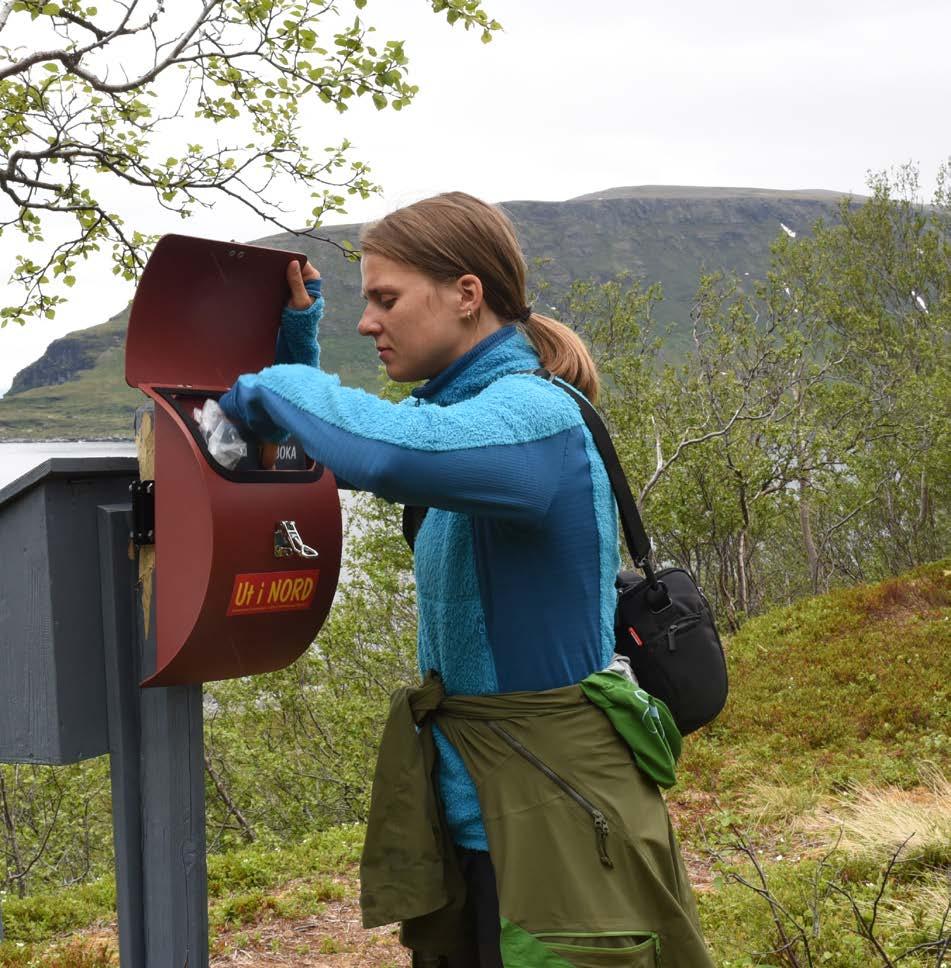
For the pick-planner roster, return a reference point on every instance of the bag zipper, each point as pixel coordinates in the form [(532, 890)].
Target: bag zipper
[(670, 633), (600, 821)]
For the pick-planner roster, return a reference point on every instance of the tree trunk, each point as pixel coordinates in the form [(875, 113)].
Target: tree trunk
[(924, 501), (742, 596), (247, 831), (927, 544), (11, 830), (725, 596), (809, 543)]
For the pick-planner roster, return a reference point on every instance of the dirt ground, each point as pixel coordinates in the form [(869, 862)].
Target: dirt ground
[(331, 938), (335, 938)]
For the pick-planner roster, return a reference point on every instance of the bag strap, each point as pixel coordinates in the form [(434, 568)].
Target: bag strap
[(638, 544)]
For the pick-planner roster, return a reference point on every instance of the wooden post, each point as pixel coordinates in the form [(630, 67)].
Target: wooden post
[(172, 790), (117, 571), (156, 747)]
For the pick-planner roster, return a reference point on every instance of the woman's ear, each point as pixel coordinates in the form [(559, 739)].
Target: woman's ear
[(469, 290)]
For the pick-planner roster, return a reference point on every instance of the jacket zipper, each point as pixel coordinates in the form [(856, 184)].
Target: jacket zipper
[(600, 821)]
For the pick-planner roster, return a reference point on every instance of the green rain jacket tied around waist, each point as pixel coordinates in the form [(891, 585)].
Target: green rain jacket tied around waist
[(588, 869)]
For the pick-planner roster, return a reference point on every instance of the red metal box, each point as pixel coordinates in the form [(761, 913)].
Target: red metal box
[(231, 597)]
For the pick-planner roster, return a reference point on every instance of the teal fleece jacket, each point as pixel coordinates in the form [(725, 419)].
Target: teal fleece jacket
[(516, 560)]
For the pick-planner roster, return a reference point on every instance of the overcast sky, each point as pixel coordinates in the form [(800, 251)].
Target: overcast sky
[(576, 97)]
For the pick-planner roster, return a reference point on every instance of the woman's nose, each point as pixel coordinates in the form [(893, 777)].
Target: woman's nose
[(368, 325)]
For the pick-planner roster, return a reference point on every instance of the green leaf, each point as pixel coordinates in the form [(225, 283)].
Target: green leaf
[(52, 68), (69, 281), (379, 100)]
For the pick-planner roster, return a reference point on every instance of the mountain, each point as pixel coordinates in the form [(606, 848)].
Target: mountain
[(665, 234)]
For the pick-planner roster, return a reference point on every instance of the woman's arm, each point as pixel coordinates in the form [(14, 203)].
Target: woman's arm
[(499, 453), (297, 339)]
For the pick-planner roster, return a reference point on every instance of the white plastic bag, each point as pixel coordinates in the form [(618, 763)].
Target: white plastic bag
[(222, 437)]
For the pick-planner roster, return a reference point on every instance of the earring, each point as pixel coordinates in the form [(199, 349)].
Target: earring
[(469, 315)]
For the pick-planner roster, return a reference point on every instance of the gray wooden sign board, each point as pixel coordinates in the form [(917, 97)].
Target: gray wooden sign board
[(72, 650), (52, 685)]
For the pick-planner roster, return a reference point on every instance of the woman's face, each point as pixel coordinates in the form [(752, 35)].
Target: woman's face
[(419, 326)]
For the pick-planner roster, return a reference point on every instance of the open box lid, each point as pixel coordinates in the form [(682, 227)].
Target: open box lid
[(205, 312)]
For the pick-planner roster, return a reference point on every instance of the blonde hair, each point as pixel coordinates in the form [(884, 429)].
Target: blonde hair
[(454, 234)]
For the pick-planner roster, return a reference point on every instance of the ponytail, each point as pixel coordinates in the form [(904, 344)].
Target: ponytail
[(563, 353)]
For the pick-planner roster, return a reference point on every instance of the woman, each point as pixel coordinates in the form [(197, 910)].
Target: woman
[(562, 843)]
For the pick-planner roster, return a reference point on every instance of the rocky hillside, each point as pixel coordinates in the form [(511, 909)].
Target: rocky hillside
[(663, 234)]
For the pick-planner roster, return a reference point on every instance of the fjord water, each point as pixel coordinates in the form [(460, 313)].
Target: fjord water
[(17, 459)]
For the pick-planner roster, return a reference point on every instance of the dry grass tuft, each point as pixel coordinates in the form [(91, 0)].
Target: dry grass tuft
[(877, 821), (778, 804), (81, 953), (929, 905)]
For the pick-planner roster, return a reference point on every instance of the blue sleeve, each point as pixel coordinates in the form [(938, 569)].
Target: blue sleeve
[(500, 453), (297, 337)]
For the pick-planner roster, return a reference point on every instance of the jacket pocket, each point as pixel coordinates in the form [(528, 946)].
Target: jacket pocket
[(614, 949), (597, 817)]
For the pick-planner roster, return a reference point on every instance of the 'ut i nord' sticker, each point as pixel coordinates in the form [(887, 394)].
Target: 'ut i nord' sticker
[(273, 591)]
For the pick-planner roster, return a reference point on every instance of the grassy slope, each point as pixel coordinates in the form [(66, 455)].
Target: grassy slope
[(854, 686), (660, 234), (844, 690), (96, 404)]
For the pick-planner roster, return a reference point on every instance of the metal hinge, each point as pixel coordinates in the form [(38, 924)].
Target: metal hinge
[(143, 512)]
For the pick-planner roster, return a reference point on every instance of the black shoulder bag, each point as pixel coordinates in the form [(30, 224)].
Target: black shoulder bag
[(663, 622)]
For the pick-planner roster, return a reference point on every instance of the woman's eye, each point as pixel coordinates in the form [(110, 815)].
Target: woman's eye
[(388, 303)]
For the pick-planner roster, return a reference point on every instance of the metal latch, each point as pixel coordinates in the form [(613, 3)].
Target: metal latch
[(288, 542), (143, 512)]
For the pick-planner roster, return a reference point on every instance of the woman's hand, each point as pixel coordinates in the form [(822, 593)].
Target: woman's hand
[(300, 297)]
